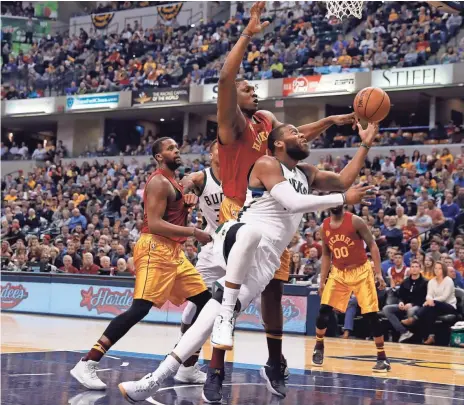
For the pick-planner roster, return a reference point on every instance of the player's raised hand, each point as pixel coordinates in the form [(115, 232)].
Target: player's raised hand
[(358, 194), (368, 135), (254, 25), (345, 119)]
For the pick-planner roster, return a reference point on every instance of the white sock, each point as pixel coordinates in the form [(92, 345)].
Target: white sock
[(200, 330), (229, 300), (166, 369)]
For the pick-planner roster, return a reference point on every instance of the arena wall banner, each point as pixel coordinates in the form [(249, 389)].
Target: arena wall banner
[(333, 83), (92, 101), (37, 106), (106, 302), (161, 96), (210, 91), (434, 75)]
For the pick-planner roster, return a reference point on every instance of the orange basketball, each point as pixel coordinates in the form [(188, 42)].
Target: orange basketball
[(372, 104)]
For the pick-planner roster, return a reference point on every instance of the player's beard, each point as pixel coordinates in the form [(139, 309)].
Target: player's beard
[(337, 210), (173, 165), (296, 153)]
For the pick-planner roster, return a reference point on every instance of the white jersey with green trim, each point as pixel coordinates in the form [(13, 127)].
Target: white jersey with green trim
[(210, 200), (277, 224)]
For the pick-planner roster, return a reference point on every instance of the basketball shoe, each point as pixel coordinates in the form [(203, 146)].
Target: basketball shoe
[(86, 373)]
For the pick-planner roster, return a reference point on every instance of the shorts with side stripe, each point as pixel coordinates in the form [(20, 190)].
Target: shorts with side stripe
[(163, 273)]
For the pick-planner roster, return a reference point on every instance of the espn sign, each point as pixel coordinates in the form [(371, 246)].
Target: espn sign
[(332, 83)]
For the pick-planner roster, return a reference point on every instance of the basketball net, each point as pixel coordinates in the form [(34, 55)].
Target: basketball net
[(344, 8)]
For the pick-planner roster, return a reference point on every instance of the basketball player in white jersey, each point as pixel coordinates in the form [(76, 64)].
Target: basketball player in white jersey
[(207, 186), (278, 196)]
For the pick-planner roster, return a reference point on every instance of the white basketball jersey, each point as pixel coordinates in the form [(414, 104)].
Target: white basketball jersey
[(210, 201), (271, 218)]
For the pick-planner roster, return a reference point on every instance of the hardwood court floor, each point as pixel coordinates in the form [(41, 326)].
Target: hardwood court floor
[(39, 351)]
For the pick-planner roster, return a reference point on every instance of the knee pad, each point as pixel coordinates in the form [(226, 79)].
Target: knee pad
[(200, 300), (374, 323), (324, 315), (218, 292)]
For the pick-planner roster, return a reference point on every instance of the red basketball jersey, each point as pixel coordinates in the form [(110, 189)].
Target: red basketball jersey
[(176, 211), (345, 244), (237, 158)]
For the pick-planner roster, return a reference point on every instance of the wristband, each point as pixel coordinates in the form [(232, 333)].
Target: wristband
[(363, 145), (245, 35)]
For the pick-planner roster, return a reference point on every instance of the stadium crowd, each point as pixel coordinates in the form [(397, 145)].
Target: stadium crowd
[(302, 42)]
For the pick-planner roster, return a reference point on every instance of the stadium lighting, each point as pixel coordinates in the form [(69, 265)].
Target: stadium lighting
[(162, 119)]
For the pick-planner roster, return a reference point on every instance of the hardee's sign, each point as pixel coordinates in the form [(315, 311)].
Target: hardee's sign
[(13, 295), (107, 301)]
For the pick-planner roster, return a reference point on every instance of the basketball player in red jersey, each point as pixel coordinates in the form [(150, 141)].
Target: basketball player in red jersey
[(162, 272), (343, 237), (242, 139)]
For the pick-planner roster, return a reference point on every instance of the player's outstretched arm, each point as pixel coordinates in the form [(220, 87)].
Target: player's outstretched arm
[(231, 120), (366, 235), (328, 181), (194, 183), (268, 173), (313, 130), (158, 191)]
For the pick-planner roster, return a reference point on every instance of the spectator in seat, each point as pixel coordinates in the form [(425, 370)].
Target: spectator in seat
[(435, 213), (32, 220), (398, 272), (422, 221), (393, 235), (388, 168), (77, 219), (453, 24), (106, 269), (409, 231), (449, 208), (313, 259), (88, 267), (305, 248), (458, 280), (440, 300), (412, 252), (389, 262), (295, 263), (412, 294), (19, 263), (68, 265), (459, 262), (401, 219), (191, 254), (122, 269), (434, 250), (71, 251)]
